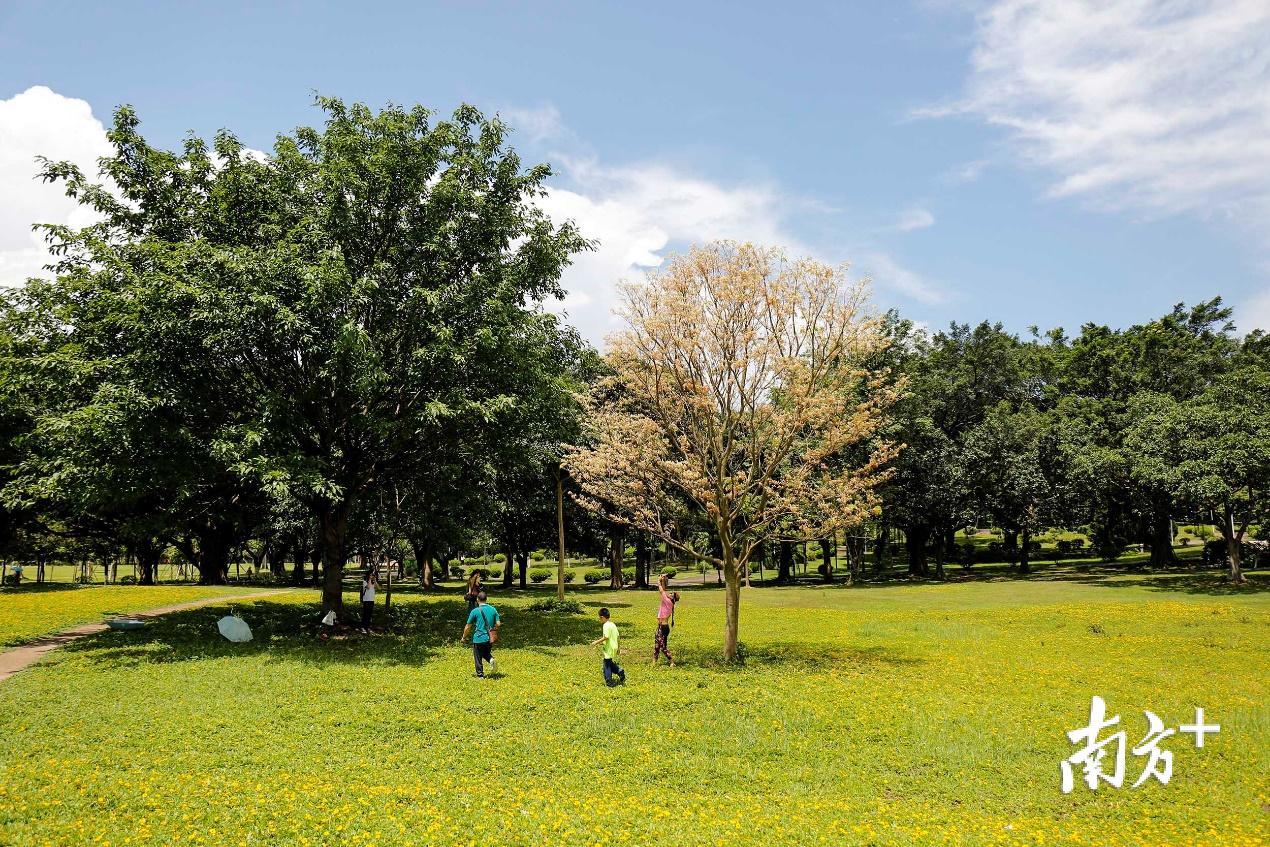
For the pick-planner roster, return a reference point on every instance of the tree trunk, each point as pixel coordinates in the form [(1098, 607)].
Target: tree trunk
[(616, 544), (214, 544), (641, 561), (148, 555), (277, 555), (915, 536), (882, 548), (785, 567), (522, 566), (941, 550), (826, 553), (1024, 552), (333, 519), (1162, 535), (1233, 537), (424, 559), (1010, 546), (301, 556), (509, 565), (732, 606)]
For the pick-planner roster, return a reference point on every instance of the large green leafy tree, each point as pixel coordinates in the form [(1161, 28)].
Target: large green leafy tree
[(1104, 377), (954, 378), (337, 311)]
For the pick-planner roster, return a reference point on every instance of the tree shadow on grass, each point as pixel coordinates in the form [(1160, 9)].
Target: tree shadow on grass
[(1185, 578), (810, 658), (40, 588), (412, 634), (1210, 583)]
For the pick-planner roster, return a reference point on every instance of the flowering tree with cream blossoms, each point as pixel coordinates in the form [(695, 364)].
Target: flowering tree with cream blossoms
[(738, 391)]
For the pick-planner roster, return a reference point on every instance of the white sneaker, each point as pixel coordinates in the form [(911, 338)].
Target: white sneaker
[(493, 667)]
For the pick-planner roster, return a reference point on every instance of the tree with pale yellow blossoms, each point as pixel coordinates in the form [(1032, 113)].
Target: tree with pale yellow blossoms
[(738, 392)]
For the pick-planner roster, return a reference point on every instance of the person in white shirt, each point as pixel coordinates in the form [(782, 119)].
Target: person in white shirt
[(368, 597)]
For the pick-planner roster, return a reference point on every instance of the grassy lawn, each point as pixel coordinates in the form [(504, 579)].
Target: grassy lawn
[(31, 610), (887, 715)]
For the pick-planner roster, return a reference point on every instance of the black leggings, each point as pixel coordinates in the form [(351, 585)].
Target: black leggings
[(659, 642), (368, 609)]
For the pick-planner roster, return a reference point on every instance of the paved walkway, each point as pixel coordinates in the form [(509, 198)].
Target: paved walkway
[(19, 658)]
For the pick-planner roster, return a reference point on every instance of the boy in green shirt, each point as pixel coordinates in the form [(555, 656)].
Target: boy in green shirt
[(609, 636)]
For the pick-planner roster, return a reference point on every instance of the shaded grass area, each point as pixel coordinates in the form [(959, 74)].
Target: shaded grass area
[(896, 715), (29, 611)]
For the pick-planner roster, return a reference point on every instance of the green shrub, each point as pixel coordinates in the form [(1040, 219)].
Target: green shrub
[(500, 558), (569, 576), (539, 575), (537, 555), (456, 571), (495, 574), (556, 607), (592, 577), (128, 580), (669, 571), (628, 575)]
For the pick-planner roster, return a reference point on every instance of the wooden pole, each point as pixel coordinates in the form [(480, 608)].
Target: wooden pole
[(559, 534)]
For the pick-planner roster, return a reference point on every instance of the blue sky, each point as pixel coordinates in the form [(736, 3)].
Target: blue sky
[(1034, 163)]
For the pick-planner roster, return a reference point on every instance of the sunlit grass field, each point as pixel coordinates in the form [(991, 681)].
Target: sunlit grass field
[(30, 611), (891, 715)]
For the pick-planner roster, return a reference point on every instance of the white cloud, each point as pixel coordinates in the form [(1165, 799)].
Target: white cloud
[(1254, 313), (1154, 107), (890, 274), (636, 212), (538, 124), (39, 122), (915, 218), (1157, 105), (964, 173)]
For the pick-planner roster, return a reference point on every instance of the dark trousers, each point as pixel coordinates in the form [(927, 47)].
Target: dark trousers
[(482, 651), (612, 668), (659, 642), (368, 609)]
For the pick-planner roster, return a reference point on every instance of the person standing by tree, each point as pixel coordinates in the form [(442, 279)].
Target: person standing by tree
[(473, 589), (665, 619), (609, 636), (369, 582), (482, 624)]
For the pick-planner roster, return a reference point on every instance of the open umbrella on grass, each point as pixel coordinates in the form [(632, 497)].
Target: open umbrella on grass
[(234, 628)]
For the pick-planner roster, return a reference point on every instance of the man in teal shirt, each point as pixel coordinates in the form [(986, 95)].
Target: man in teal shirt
[(482, 624)]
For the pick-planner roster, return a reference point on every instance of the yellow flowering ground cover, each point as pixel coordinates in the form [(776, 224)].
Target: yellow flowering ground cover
[(904, 715), (30, 611)]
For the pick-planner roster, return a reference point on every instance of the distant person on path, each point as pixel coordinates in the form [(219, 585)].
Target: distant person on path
[(17, 574), (665, 620), (609, 636), (473, 589), (482, 624), (369, 582)]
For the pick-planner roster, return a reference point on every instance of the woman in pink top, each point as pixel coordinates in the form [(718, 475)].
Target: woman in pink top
[(665, 618)]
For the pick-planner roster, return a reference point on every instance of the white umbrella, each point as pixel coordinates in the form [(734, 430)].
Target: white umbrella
[(234, 628)]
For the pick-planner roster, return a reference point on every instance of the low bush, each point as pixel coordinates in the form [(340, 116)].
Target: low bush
[(128, 580), (570, 576), (537, 555), (539, 575), (556, 607), (669, 571), (628, 575), (592, 577)]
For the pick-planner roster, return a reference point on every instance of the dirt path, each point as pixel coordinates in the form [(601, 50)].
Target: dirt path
[(19, 658)]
